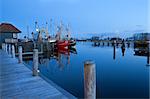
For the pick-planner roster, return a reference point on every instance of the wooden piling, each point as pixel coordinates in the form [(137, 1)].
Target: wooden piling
[(35, 62), (148, 60), (103, 43), (6, 48), (148, 57), (108, 44), (20, 54), (114, 50), (41, 47), (128, 44), (34, 45), (3, 46), (89, 80), (13, 51), (149, 46), (9, 49)]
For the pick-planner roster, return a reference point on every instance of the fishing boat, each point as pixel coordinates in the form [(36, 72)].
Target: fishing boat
[(62, 43), (72, 43), (73, 50), (66, 43), (62, 50), (51, 40)]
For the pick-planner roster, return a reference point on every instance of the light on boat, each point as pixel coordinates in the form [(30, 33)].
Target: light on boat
[(37, 30)]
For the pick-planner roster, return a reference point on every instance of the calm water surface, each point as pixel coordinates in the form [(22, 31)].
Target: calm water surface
[(117, 75)]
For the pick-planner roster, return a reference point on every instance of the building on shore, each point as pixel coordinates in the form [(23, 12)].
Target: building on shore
[(8, 33), (141, 40), (142, 37)]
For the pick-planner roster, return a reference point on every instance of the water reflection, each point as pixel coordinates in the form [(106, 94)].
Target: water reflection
[(114, 52), (143, 51), (123, 48), (65, 68), (59, 55), (138, 50), (148, 59)]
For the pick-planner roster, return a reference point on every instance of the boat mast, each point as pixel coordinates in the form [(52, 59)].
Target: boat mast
[(28, 31), (68, 31), (61, 28), (36, 27), (47, 34), (59, 31), (51, 27), (39, 37)]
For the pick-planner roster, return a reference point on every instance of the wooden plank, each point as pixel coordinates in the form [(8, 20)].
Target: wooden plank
[(16, 81), (28, 53)]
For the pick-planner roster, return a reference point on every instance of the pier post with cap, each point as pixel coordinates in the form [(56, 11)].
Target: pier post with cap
[(35, 62), (42, 47), (9, 49), (13, 51), (89, 80), (3, 46), (20, 54), (6, 48), (148, 57), (114, 50)]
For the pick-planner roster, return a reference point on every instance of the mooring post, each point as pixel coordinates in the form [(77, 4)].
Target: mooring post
[(114, 50), (149, 53), (6, 48), (34, 45), (103, 43), (9, 49), (148, 57), (149, 46), (108, 44), (89, 80), (128, 43), (3, 46), (20, 54), (42, 48), (13, 51), (35, 62)]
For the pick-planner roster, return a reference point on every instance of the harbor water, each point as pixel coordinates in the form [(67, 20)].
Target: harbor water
[(120, 72)]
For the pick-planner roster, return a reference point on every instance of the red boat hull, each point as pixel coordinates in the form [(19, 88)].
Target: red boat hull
[(62, 44)]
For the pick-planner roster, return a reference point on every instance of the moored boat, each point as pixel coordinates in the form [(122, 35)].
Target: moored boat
[(72, 43), (62, 44)]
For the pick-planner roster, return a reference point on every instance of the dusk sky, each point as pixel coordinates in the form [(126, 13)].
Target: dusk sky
[(85, 16)]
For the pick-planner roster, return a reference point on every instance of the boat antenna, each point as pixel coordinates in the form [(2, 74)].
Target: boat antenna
[(47, 34), (51, 27), (68, 31), (59, 31), (36, 27), (61, 28), (28, 31)]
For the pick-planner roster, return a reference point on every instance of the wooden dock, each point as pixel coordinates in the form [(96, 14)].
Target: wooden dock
[(17, 82), (29, 53)]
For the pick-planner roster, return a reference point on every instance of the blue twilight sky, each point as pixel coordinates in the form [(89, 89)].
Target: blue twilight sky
[(123, 17)]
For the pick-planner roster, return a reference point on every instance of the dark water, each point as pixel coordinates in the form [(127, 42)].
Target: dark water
[(118, 75)]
